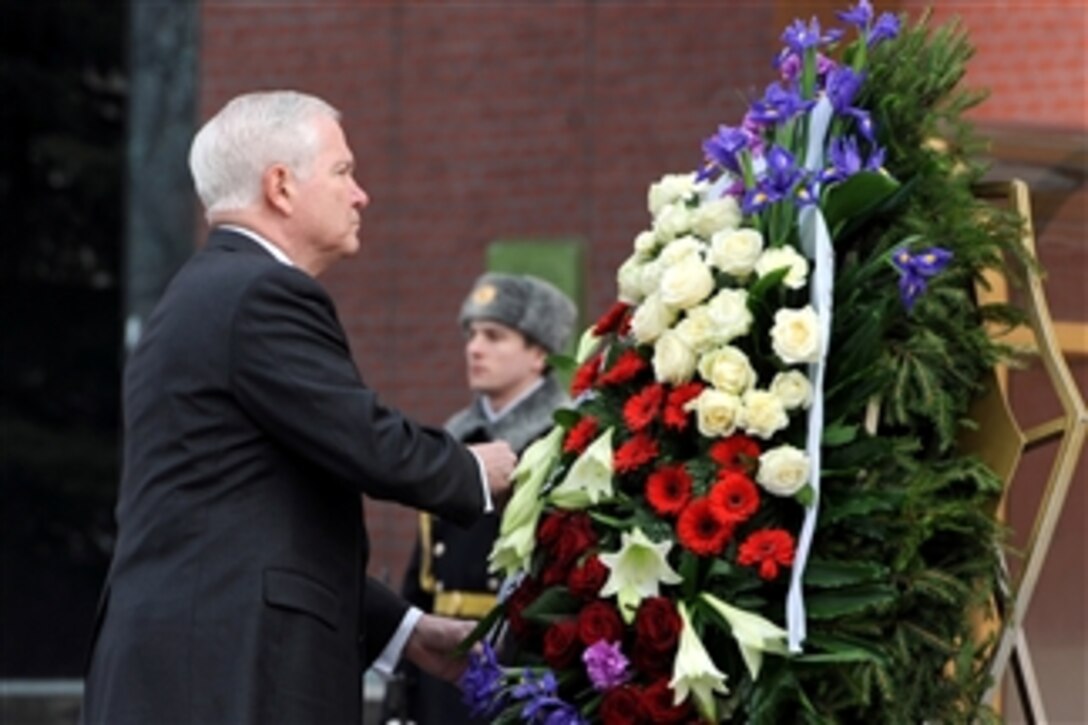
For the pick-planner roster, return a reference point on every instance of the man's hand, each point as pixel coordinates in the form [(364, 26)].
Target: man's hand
[(431, 644), (498, 460)]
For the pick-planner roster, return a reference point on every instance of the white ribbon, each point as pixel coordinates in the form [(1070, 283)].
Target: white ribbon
[(816, 244)]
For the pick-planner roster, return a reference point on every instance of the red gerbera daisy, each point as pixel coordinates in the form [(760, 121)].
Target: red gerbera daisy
[(585, 375), (734, 497), (700, 530), (668, 489), (580, 435), (635, 453), (769, 548), (627, 366), (642, 407), (736, 453), (612, 320), (675, 416)]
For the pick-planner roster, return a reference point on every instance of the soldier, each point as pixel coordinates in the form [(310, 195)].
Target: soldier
[(511, 323)]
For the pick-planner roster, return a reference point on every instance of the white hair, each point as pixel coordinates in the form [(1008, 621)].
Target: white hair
[(253, 131)]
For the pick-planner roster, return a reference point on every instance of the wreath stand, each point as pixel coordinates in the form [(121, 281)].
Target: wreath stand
[(1002, 443)]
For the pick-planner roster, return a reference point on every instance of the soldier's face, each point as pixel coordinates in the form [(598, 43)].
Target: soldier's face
[(500, 361)]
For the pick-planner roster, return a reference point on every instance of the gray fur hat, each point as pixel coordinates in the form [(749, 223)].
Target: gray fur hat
[(533, 307)]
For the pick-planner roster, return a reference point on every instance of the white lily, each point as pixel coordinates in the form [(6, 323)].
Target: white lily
[(753, 633), (636, 571), (587, 345), (514, 546), (589, 480), (694, 673)]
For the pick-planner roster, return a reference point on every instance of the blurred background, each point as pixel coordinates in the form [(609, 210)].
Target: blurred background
[(475, 125)]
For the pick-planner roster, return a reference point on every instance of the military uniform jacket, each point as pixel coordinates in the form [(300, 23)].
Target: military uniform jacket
[(236, 592), (449, 564)]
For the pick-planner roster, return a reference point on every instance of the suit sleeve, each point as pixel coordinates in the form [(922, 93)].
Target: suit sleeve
[(292, 371), (383, 612)]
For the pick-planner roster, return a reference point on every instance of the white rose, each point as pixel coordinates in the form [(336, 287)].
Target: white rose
[(667, 189), (629, 280), (735, 251), (716, 412), (673, 221), (650, 277), (788, 257), (651, 318), (686, 283), (646, 243), (729, 311), (697, 329), (783, 471), (711, 217), (680, 249), (674, 361), (763, 414), (727, 369), (793, 389), (795, 335)]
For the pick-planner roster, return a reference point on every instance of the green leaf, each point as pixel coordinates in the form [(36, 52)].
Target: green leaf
[(826, 574), (838, 434), (562, 363), (764, 285), (566, 417), (553, 605), (839, 602), (856, 197)]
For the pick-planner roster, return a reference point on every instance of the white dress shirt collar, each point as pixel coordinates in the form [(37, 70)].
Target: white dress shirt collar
[(269, 247)]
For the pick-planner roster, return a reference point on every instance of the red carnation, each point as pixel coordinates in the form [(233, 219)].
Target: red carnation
[(642, 407), (675, 417), (736, 453), (668, 489), (734, 497), (623, 705), (588, 578), (770, 548), (585, 375), (658, 699), (580, 435), (635, 453), (701, 531), (612, 320), (599, 620), (627, 366), (561, 644)]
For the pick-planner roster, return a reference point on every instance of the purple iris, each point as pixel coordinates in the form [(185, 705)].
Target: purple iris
[(885, 28), (915, 271), (861, 17), (564, 714), (778, 180), (846, 160), (779, 105), (843, 85), (543, 703), (481, 684), (724, 147), (798, 37)]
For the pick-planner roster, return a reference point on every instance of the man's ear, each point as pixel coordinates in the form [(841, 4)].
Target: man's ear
[(277, 187)]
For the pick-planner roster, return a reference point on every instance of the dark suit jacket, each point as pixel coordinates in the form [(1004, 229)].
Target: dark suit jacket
[(236, 589)]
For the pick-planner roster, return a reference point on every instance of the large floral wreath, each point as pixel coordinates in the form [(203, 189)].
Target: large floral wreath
[(756, 510)]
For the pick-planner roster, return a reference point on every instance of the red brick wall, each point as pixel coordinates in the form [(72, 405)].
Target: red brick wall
[(478, 121)]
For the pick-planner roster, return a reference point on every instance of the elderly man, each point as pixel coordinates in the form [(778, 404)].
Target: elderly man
[(237, 589), (511, 323)]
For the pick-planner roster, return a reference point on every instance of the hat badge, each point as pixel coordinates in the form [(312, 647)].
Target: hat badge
[(484, 294)]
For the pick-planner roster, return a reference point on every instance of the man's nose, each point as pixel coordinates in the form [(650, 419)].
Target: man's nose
[(361, 198)]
